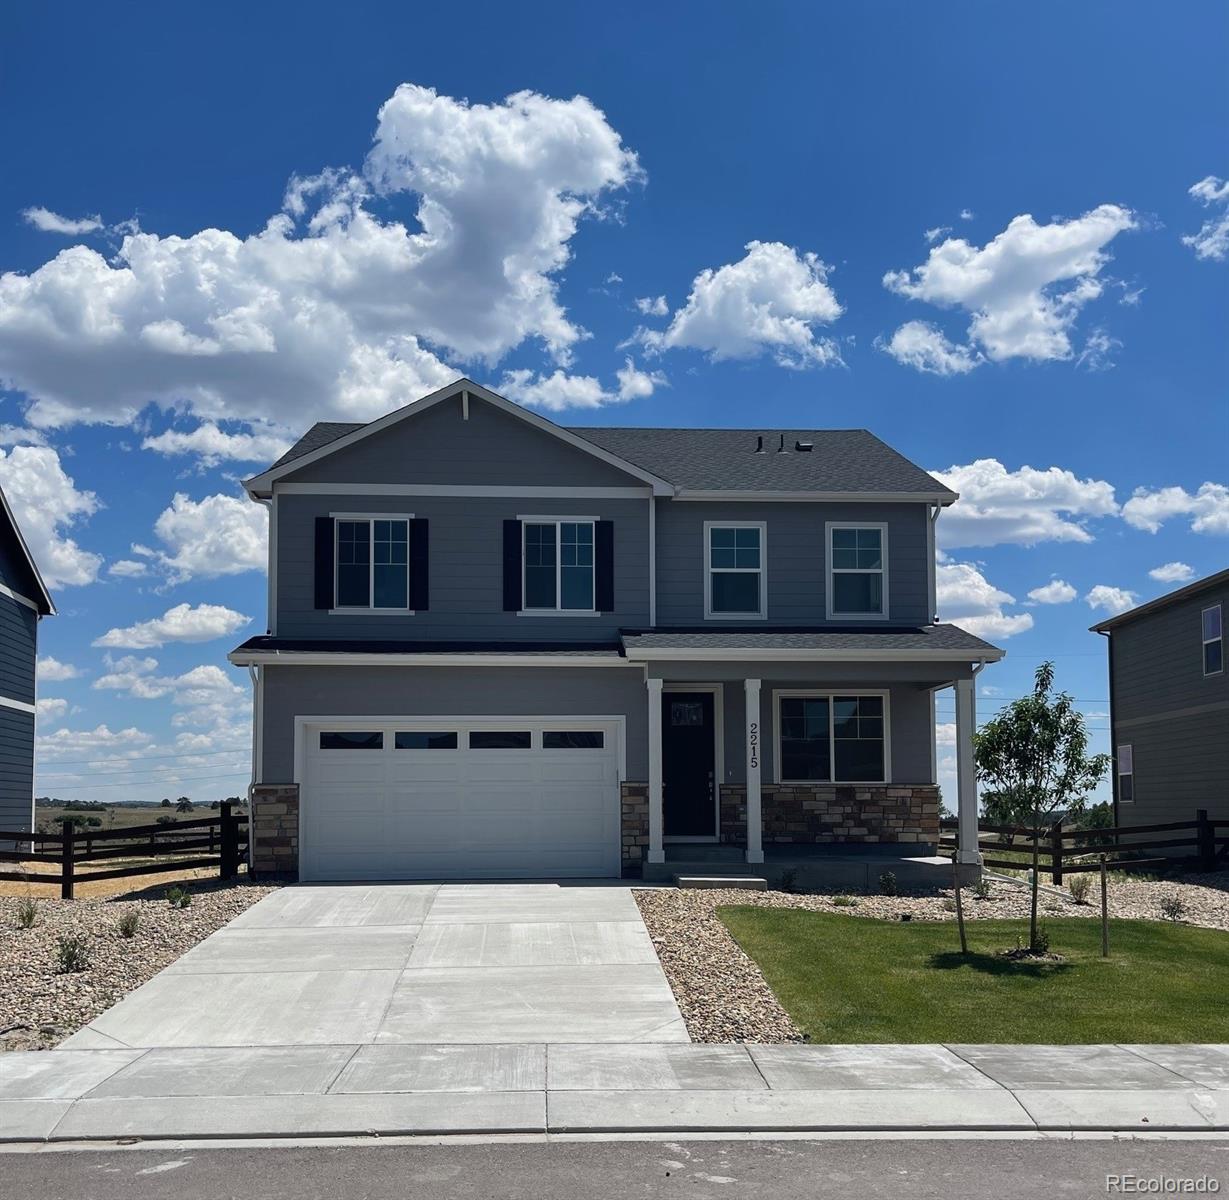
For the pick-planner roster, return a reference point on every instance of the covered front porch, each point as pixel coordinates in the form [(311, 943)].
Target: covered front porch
[(779, 757)]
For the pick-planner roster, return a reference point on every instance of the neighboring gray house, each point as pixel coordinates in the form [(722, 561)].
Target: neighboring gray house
[(1169, 705), (501, 647), (24, 601)]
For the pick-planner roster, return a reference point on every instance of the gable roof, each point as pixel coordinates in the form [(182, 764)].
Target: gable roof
[(734, 463), (1206, 584), (43, 602)]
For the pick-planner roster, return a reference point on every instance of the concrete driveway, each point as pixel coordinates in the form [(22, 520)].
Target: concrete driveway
[(404, 964)]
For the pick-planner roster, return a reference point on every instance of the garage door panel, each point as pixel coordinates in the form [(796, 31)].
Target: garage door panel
[(460, 813)]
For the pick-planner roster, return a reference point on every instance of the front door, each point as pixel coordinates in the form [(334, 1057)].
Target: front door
[(687, 765)]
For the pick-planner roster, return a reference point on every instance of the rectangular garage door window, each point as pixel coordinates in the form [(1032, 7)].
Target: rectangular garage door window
[(414, 740), (573, 739), (349, 739), (499, 739)]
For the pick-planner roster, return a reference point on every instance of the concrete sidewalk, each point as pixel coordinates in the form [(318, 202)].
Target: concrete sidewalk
[(640, 1088)]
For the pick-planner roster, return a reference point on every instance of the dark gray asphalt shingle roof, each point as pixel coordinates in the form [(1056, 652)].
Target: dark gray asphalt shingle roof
[(933, 637), (266, 644), (842, 460)]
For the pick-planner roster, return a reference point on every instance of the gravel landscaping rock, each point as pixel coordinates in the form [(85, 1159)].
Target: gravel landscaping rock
[(40, 1005), (724, 998)]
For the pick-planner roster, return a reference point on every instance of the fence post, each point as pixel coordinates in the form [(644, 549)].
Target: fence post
[(66, 863), (1056, 855), (1205, 833), (229, 865)]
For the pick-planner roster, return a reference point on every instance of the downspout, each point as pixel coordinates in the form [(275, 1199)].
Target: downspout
[(258, 705), (931, 587), (271, 572), (1109, 637)]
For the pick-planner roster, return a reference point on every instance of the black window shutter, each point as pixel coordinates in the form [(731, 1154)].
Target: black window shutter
[(324, 562), (603, 566), (420, 565), (512, 566)]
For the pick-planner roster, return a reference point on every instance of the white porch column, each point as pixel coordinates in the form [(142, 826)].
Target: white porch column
[(755, 825), (966, 774), (657, 853)]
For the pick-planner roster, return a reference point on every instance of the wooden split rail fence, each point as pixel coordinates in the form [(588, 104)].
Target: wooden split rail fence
[(1067, 851), (215, 841)]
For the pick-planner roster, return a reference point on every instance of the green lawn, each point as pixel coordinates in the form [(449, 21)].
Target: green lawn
[(853, 979)]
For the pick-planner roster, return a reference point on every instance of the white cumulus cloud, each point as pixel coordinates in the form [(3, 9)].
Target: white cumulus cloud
[(1025, 288), (203, 539), (653, 306), (46, 502), (128, 568), (212, 445), (101, 740), (769, 302), (925, 347), (1113, 600), (183, 623), (51, 670), (559, 390), (1057, 591), (50, 708), (1172, 572), (46, 221), (968, 599), (1208, 508), (1212, 240), (1021, 507), (448, 241)]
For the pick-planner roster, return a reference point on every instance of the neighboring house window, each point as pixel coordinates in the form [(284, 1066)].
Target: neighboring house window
[(858, 573), (1213, 641), (558, 565), (734, 569), (831, 738), (372, 558), (1126, 774)]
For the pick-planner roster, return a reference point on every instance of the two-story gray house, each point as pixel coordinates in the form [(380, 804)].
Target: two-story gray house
[(24, 601), (499, 647), (1169, 705)]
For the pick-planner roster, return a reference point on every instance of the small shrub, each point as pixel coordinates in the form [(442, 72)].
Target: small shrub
[(178, 897), (981, 889), (1079, 886), (949, 904), (844, 901), (129, 923), (72, 954), (1173, 907), (887, 883), (1041, 943), (27, 913), (789, 880)]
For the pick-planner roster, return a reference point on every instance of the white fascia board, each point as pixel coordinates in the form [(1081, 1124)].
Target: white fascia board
[(746, 654), (328, 658), (261, 485), (940, 498)]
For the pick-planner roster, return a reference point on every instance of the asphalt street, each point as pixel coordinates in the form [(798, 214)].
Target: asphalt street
[(696, 1170)]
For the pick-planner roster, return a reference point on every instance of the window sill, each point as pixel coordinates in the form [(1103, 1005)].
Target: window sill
[(833, 783), (372, 612), (558, 612), (839, 616), (736, 616)]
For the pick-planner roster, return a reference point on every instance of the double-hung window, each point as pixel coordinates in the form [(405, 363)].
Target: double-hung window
[(734, 556), (858, 570), (1213, 640), (833, 738), (1126, 774), (372, 556), (558, 565)]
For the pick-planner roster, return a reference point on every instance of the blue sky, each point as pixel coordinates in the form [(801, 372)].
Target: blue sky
[(958, 227)]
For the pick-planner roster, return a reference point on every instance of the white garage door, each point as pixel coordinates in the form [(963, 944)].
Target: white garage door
[(460, 799)]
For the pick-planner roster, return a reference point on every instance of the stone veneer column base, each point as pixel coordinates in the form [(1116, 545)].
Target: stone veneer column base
[(634, 827), (829, 813), (275, 830)]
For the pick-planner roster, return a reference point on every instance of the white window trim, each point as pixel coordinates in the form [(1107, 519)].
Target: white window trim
[(370, 610), (829, 591), (762, 571), (1120, 774), (1206, 642), (829, 694), (558, 611)]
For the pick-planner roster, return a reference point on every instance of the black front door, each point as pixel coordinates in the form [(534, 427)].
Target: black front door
[(687, 764)]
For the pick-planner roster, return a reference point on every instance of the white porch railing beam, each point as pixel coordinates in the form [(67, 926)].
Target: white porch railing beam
[(966, 772), (657, 852), (755, 824)]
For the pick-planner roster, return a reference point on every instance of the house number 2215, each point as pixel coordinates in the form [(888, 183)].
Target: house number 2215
[(753, 733)]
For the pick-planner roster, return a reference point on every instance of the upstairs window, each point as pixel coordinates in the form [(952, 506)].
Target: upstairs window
[(558, 566), (734, 570), (372, 556), (1213, 641), (858, 572), (1126, 774)]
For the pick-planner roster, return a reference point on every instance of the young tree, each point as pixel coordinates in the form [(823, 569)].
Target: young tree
[(1033, 762)]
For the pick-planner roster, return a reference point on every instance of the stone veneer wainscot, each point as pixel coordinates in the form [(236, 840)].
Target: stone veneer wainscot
[(275, 830)]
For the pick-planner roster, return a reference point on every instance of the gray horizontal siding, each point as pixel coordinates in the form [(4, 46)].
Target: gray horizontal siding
[(16, 770), (1181, 765), (796, 559), (18, 649), (466, 570), (439, 447)]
